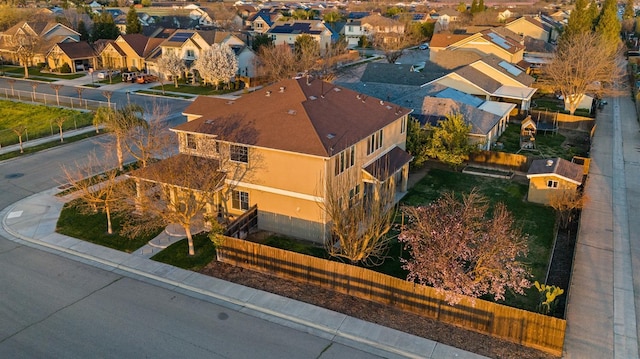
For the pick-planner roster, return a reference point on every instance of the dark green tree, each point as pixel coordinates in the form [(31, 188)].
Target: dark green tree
[(82, 29), (474, 7), (261, 40), (417, 139), (593, 12), (332, 17), (609, 26), (481, 6), (580, 20), (104, 27), (133, 24), (449, 140)]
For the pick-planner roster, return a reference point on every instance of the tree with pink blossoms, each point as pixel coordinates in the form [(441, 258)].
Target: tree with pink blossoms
[(462, 247)]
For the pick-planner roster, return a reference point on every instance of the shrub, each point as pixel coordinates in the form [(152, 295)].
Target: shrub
[(65, 68)]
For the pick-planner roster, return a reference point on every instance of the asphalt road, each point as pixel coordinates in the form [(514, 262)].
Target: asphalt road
[(55, 307)]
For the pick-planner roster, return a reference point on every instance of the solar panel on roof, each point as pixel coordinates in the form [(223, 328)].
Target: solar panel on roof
[(500, 41), (181, 36), (510, 68)]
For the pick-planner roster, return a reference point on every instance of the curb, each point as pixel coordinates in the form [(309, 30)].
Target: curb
[(242, 305)]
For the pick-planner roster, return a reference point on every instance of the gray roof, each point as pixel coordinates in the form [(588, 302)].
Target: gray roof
[(482, 122), (557, 166), (497, 63), (479, 79), (401, 74)]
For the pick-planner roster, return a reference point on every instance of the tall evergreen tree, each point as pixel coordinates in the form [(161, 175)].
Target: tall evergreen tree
[(593, 13), (481, 6), (580, 20), (82, 29), (474, 7), (133, 24), (608, 25), (104, 27), (629, 13)]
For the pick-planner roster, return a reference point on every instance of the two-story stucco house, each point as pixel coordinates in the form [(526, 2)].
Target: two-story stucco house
[(128, 52), (288, 140), (41, 36), (286, 32)]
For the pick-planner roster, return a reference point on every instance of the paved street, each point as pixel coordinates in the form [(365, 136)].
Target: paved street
[(91, 301)]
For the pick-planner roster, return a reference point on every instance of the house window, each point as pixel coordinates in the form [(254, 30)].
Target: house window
[(191, 141), (403, 125), (190, 53), (345, 159), (240, 200), (374, 142), (354, 194), (552, 184), (239, 153)]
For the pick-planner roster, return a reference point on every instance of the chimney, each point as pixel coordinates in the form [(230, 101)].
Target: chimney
[(549, 163), (268, 93), (282, 88)]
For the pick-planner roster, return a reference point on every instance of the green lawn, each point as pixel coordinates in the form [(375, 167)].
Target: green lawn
[(46, 145), (93, 228), (177, 254), (38, 119), (536, 220), (191, 89), (33, 71)]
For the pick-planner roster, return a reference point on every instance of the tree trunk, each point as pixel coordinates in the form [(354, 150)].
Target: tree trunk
[(119, 152), (108, 212), (26, 70), (187, 230), (61, 137)]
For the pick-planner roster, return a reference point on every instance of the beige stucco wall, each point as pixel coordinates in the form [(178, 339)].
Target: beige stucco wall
[(540, 193), (528, 29), (482, 46)]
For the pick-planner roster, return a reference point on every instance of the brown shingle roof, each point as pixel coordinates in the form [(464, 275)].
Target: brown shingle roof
[(318, 118), (385, 166), (77, 50), (179, 171), (444, 40)]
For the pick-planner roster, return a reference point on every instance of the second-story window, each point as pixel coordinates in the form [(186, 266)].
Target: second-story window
[(239, 153), (374, 142), (403, 125), (345, 159), (190, 53), (191, 141)]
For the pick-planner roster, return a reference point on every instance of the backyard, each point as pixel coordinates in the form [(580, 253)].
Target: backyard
[(564, 144)]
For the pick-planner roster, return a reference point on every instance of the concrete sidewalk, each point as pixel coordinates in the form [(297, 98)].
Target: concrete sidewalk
[(603, 296), (32, 222)]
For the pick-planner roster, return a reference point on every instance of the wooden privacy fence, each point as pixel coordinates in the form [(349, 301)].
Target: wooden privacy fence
[(504, 160), (526, 328), (564, 120)]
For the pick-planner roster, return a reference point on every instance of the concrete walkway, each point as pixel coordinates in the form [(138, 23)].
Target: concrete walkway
[(32, 222), (603, 296)]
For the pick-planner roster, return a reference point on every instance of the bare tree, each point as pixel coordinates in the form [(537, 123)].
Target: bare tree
[(60, 122), (177, 190), (392, 44), (108, 95), (79, 91), (25, 46), (172, 64), (34, 86), (98, 191), (20, 131), (120, 123), (360, 221), (216, 64), (277, 62), (57, 88), (459, 248), (150, 141), (566, 203), (580, 66), (12, 83)]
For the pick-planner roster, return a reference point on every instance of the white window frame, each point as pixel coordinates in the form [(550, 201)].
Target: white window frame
[(242, 156), (240, 200), (374, 142), (552, 184), (345, 159)]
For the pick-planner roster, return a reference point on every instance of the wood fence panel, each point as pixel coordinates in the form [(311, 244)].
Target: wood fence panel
[(526, 328)]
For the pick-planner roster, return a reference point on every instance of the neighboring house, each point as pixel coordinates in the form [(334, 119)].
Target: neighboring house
[(504, 14), (128, 52), (353, 31), (261, 22), (549, 176), (448, 47), (378, 25), (289, 139), (286, 32), (445, 16), (532, 27), (492, 78), (80, 56), (44, 35), (488, 119)]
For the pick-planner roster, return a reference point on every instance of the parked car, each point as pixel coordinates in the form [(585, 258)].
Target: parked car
[(104, 74), (130, 76), (424, 46), (146, 78)]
